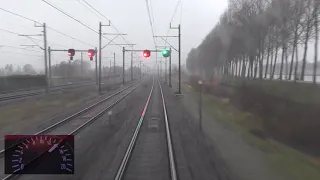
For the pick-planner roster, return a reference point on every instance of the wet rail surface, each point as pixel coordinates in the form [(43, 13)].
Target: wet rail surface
[(149, 154), (79, 120)]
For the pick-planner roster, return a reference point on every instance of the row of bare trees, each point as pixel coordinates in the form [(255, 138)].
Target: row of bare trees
[(258, 38), (10, 69), (72, 69)]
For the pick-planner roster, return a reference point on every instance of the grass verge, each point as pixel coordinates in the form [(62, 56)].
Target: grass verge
[(280, 157), (17, 116)]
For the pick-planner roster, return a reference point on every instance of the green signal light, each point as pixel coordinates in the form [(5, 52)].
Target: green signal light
[(165, 53)]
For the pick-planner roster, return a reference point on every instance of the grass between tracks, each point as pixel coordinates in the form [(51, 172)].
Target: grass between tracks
[(280, 157), (15, 117)]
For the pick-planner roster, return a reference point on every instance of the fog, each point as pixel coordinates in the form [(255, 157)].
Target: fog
[(197, 18)]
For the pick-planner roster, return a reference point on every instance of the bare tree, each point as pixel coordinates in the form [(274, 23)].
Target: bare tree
[(8, 69), (308, 25), (315, 17), (255, 38), (28, 69)]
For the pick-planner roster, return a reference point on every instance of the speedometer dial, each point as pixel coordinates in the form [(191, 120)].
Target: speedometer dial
[(39, 154)]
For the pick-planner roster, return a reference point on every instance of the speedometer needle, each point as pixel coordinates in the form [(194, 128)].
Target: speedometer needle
[(56, 145), (53, 147)]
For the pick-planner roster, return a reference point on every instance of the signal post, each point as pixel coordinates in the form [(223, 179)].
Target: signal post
[(146, 53), (71, 53), (177, 50)]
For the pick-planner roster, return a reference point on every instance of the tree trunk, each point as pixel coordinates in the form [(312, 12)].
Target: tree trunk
[(304, 60), (255, 67), (295, 45), (275, 61), (240, 65), (249, 69), (271, 60), (261, 61), (236, 68), (282, 60), (286, 58), (315, 16), (233, 68), (251, 59), (236, 71), (244, 67), (293, 51), (267, 64), (296, 65), (260, 69)]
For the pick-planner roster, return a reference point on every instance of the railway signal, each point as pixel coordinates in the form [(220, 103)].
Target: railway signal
[(165, 53), (71, 53), (146, 53), (91, 53)]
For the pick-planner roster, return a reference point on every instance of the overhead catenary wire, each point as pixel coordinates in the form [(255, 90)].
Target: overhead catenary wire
[(175, 10), (150, 21), (20, 15), (14, 52), (152, 15), (19, 48), (89, 9), (17, 25), (69, 36), (11, 32), (112, 25), (180, 11), (31, 38), (55, 7), (60, 10), (172, 17), (32, 20), (108, 20)]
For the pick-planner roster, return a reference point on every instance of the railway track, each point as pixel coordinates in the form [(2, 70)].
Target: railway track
[(79, 120), (150, 151), (41, 87), (35, 92)]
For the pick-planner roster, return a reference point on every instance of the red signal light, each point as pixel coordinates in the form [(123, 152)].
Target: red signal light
[(146, 53), (71, 53), (91, 53)]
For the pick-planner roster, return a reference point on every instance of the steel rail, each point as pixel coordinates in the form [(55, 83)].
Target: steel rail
[(128, 153), (173, 171), (42, 91), (91, 120), (75, 115), (125, 160)]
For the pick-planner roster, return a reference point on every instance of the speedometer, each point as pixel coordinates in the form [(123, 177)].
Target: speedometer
[(39, 154)]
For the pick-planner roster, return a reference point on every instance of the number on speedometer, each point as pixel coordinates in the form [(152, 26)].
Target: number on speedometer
[(39, 154)]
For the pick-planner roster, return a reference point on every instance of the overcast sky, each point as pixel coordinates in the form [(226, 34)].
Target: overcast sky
[(197, 18)]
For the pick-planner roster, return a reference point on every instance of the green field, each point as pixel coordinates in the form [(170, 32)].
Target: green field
[(281, 158), (15, 117)]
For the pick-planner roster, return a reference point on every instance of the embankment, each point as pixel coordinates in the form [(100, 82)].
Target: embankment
[(290, 111)]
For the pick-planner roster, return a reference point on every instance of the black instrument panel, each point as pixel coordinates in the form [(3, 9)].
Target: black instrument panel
[(39, 154)]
